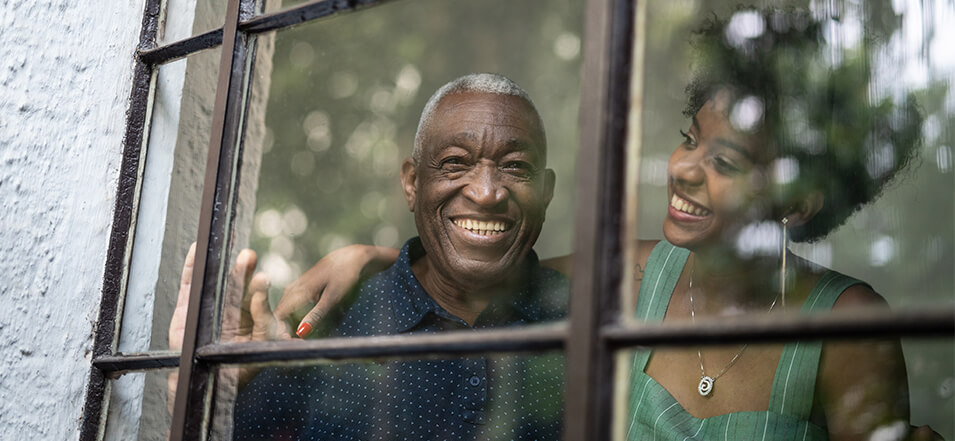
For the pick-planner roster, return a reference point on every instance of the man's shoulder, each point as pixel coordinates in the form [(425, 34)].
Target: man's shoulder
[(551, 290)]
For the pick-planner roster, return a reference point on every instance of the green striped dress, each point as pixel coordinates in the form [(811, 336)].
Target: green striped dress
[(656, 415)]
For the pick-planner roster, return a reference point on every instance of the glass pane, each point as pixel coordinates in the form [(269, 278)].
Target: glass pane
[(833, 118), (497, 397), (138, 407), (333, 112), (799, 390), (168, 213), (185, 18)]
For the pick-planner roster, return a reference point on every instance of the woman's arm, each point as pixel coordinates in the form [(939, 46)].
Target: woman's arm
[(325, 284), (863, 385)]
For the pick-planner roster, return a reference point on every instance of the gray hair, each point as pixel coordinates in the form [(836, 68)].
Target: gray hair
[(479, 82)]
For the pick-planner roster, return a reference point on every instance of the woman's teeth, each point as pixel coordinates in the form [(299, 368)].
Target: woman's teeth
[(686, 207), (480, 227)]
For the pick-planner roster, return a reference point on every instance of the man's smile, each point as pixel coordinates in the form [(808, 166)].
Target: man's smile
[(482, 232), (482, 227)]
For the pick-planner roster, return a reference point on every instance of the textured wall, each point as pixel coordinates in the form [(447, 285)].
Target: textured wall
[(65, 73)]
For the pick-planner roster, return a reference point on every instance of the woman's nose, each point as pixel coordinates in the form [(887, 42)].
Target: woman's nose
[(687, 167), (485, 188)]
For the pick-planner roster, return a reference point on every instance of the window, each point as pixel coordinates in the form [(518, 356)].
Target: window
[(630, 94)]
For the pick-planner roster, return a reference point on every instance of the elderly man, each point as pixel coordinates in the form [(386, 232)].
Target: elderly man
[(478, 187)]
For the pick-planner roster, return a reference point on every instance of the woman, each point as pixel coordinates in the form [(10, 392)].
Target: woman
[(780, 135)]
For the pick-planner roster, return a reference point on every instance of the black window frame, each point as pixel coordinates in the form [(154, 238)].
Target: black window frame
[(591, 337)]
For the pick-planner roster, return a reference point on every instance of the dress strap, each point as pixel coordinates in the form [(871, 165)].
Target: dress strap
[(664, 267), (795, 381)]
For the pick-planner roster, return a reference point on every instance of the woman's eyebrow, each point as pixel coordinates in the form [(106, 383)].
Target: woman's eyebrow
[(725, 142), (742, 150)]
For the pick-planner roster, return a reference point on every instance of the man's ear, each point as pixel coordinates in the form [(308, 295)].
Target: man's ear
[(549, 179), (805, 209), (409, 182)]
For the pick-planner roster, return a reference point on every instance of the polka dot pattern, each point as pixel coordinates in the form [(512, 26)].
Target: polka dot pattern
[(498, 397)]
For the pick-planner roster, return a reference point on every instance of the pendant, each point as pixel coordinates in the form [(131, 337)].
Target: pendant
[(706, 386)]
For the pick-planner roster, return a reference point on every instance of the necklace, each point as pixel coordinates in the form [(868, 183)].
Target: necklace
[(705, 387)]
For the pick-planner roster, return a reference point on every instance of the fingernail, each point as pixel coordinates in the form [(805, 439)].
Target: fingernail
[(303, 330)]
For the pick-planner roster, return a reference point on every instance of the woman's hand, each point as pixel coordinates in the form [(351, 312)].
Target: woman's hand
[(246, 313), (325, 284)]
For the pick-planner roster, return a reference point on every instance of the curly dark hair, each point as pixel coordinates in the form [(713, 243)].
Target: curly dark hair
[(818, 108)]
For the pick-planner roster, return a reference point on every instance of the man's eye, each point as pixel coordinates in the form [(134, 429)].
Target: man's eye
[(519, 167), (453, 164)]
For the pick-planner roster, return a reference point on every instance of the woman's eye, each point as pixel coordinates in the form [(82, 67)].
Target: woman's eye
[(725, 166), (688, 139)]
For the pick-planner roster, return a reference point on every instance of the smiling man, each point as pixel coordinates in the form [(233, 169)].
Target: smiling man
[(478, 187)]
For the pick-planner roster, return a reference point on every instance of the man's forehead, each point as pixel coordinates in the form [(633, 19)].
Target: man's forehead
[(485, 108), (475, 101)]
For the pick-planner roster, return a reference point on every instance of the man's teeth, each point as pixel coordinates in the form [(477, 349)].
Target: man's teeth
[(685, 206), (481, 227)]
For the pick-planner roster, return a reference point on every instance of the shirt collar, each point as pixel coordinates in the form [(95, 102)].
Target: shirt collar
[(418, 303)]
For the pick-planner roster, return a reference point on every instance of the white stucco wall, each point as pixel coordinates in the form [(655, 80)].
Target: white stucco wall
[(65, 76)]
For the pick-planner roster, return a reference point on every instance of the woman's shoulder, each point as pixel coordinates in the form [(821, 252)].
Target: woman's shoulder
[(644, 249), (858, 293)]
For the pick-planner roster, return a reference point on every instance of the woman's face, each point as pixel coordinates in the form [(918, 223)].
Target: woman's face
[(716, 180)]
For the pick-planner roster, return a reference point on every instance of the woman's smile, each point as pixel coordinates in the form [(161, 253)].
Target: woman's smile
[(688, 207)]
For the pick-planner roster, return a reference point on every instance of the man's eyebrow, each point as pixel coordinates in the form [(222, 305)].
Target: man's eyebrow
[(520, 144)]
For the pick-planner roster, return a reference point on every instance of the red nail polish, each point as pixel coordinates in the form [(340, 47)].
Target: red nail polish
[(303, 330)]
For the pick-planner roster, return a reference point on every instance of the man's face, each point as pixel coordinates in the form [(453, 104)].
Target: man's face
[(480, 189)]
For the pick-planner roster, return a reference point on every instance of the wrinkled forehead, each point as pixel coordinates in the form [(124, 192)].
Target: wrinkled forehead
[(512, 115)]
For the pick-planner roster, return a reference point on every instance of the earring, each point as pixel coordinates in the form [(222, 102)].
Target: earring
[(782, 270)]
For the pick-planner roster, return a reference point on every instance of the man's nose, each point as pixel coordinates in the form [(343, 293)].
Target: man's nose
[(485, 188)]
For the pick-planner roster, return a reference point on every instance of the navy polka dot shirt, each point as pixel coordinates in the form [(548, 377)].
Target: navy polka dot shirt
[(500, 397)]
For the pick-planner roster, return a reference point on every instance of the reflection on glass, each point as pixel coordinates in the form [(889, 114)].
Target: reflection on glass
[(185, 18), (138, 407), (793, 120), (496, 397), (797, 390), (822, 129), (168, 213), (325, 149)]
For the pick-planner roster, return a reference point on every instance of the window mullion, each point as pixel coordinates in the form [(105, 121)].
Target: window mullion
[(302, 13), (196, 380), (605, 90), (182, 48), (932, 322), (529, 339)]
